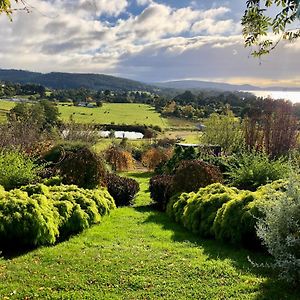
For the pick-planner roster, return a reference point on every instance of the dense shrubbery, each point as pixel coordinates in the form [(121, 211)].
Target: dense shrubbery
[(193, 174), (16, 169), (122, 189), (160, 190), (251, 170), (77, 164), (41, 215), (224, 213)]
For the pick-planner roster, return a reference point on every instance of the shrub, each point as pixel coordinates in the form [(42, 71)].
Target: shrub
[(119, 159), (224, 213), (156, 156), (122, 189), (27, 221), (279, 231), (179, 155), (16, 169), (201, 209), (234, 221), (77, 164), (194, 174), (251, 170), (224, 130), (40, 215), (160, 190)]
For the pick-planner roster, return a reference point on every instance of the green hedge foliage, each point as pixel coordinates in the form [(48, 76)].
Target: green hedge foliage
[(16, 169), (42, 215), (224, 213)]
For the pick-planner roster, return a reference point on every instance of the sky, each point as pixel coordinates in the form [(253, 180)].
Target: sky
[(145, 40)]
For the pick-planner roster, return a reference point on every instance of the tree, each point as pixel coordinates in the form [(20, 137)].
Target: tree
[(224, 130), (5, 6), (271, 126), (257, 23)]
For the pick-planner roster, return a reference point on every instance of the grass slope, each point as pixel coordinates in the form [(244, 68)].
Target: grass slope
[(137, 253), (118, 113)]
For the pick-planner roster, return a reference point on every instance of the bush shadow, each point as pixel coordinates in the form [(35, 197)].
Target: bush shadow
[(271, 288)]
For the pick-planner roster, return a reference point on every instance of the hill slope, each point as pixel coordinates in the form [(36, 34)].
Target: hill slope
[(58, 80), (197, 85)]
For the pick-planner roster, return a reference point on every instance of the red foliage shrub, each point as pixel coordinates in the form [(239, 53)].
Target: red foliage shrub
[(194, 174)]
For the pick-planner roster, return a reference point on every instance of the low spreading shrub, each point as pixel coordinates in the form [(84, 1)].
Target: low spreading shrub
[(160, 190), (251, 170), (224, 213), (77, 164), (194, 174), (39, 215), (122, 189), (16, 169)]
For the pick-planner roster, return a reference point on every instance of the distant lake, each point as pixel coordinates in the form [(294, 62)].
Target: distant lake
[(292, 96)]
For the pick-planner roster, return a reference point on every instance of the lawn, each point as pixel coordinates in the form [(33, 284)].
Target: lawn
[(138, 253)]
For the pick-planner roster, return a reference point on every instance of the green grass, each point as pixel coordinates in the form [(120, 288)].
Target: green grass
[(118, 113), (138, 253)]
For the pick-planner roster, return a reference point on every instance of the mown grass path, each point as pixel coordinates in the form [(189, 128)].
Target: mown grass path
[(137, 253)]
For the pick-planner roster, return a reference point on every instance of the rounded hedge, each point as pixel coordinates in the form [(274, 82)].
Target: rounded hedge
[(194, 174)]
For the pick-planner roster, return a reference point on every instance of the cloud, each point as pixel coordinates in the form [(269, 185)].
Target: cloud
[(152, 42)]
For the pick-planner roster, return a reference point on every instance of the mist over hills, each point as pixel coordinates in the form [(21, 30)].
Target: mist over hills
[(198, 85), (60, 80)]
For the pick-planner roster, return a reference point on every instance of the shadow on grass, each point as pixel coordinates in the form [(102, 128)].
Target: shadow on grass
[(10, 252), (271, 288)]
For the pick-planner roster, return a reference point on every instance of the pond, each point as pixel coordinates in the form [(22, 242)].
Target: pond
[(131, 135)]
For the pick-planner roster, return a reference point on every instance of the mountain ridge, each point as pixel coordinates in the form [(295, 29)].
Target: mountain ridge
[(63, 80)]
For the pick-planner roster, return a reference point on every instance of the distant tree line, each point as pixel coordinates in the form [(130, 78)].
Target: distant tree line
[(10, 89), (185, 104)]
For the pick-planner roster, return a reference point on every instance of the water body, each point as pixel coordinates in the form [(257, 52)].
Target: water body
[(291, 96), (131, 135)]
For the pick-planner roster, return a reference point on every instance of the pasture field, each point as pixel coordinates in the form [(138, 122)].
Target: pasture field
[(138, 253), (118, 113)]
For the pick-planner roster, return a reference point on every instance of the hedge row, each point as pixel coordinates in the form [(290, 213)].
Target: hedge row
[(41, 215), (223, 213)]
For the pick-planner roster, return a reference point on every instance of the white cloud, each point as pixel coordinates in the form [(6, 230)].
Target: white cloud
[(73, 35)]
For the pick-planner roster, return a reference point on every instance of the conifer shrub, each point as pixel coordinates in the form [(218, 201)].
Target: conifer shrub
[(160, 190), (122, 189), (194, 174), (201, 209), (225, 213), (39, 215), (27, 221), (16, 169)]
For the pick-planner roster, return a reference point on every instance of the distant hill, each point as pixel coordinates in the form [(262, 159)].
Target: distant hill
[(58, 80), (199, 85)]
